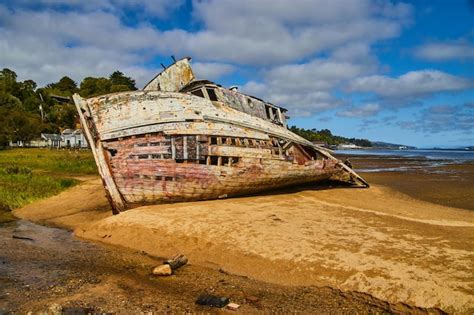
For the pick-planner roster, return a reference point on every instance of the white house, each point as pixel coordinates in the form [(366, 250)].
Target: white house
[(73, 139), (69, 138), (348, 146), (51, 140)]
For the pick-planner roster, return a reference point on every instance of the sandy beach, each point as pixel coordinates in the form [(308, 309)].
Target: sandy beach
[(380, 241)]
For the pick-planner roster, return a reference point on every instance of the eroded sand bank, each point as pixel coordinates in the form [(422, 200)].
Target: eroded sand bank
[(373, 240)]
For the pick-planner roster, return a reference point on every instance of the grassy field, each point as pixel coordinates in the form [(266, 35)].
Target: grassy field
[(27, 175)]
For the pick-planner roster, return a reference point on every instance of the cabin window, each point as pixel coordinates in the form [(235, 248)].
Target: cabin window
[(212, 94), (246, 142), (214, 160), (198, 93), (249, 103), (220, 160), (225, 160), (269, 112), (112, 152), (272, 113)]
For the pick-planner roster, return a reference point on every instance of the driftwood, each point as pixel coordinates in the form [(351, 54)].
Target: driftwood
[(177, 261), (22, 238)]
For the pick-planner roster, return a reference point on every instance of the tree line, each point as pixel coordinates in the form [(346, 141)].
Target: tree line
[(325, 135), (26, 110)]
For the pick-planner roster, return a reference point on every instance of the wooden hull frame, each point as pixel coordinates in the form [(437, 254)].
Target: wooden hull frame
[(206, 151)]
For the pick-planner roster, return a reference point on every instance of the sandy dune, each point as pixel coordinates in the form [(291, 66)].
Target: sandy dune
[(373, 240)]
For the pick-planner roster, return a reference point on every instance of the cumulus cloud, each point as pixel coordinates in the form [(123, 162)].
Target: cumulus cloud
[(361, 111), (45, 45), (46, 39), (306, 88), (302, 103), (156, 8), (212, 70), (445, 51), (442, 118), (43, 38), (410, 85), (270, 32)]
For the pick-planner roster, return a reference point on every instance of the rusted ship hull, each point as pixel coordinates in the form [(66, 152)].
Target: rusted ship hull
[(154, 147)]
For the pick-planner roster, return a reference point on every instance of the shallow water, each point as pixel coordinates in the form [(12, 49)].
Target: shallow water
[(424, 161), (458, 156)]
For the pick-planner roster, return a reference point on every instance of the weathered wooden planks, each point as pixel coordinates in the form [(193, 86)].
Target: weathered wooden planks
[(157, 146)]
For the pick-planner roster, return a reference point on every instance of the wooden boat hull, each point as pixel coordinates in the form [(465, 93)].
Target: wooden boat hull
[(155, 147)]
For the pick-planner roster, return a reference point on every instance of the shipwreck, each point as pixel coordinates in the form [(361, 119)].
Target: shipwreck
[(183, 139)]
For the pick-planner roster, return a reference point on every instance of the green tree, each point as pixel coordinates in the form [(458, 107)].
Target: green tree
[(19, 125), (8, 82), (94, 86), (121, 83), (325, 135), (64, 87), (63, 116), (8, 101)]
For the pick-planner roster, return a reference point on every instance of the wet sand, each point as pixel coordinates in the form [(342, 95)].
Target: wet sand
[(436, 181), (53, 271), (379, 241)]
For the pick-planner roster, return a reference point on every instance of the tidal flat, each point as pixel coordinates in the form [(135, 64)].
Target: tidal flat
[(292, 249)]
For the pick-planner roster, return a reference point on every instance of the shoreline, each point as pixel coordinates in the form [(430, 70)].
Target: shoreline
[(438, 181), (109, 279), (343, 238)]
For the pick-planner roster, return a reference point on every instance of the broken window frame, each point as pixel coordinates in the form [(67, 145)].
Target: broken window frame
[(199, 91)]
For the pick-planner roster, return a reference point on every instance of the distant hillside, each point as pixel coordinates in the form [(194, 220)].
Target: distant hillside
[(325, 135), (380, 144)]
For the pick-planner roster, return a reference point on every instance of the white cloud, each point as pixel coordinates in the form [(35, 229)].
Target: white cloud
[(317, 74), (306, 88), (442, 118), (83, 38), (411, 84), (361, 111), (274, 32), (446, 51), (155, 8), (211, 70), (46, 45)]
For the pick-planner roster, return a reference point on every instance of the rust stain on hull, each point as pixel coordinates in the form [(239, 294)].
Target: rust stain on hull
[(181, 140)]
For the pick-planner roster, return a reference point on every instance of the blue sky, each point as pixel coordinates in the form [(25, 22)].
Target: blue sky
[(396, 71)]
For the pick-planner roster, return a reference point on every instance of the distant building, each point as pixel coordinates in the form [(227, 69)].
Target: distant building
[(51, 140), (74, 139), (69, 138), (348, 146)]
